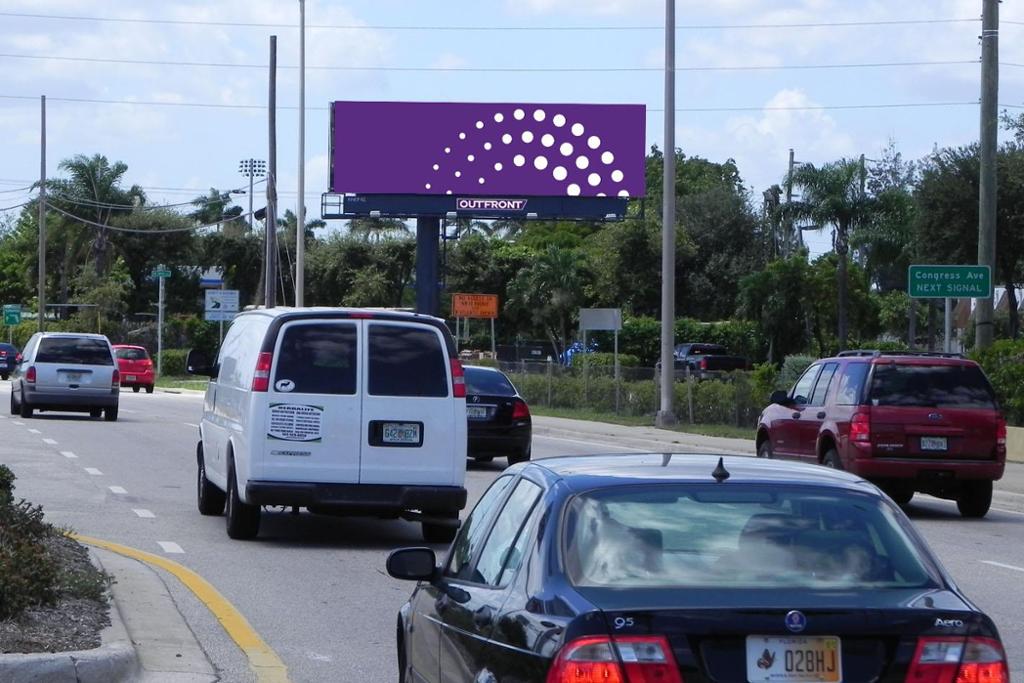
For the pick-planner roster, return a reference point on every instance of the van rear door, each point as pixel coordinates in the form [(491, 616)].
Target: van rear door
[(83, 366), (314, 403), (414, 429)]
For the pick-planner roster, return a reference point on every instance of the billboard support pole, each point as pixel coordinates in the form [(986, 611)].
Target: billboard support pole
[(666, 414), (427, 231)]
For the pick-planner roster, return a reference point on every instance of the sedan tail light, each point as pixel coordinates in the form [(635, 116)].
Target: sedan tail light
[(261, 378), (860, 427), (958, 660), (601, 659), (30, 374), (520, 411), (458, 379)]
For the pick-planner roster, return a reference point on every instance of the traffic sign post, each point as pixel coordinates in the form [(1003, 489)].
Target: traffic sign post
[(221, 304), (949, 282), (483, 306)]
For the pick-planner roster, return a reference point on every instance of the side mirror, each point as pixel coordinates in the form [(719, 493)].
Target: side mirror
[(780, 397), (412, 564), (198, 363)]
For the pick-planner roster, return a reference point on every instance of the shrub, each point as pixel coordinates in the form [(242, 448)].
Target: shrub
[(604, 360), (173, 364), (764, 380), (29, 572), (1003, 362)]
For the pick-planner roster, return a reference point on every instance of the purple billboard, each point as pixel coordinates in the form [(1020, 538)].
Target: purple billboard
[(480, 149)]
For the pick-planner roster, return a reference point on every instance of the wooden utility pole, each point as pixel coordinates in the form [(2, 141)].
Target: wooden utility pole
[(987, 194), (42, 215), (270, 243)]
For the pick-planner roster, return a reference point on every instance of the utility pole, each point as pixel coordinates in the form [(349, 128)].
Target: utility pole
[(160, 322), (666, 416), (270, 229), (987, 192), (42, 214), (789, 239), (300, 215)]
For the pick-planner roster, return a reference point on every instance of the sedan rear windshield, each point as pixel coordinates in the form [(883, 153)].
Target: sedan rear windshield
[(74, 350), (488, 383), (959, 386), (740, 536), (132, 354)]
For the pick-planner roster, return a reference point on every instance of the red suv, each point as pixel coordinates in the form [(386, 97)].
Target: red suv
[(905, 421)]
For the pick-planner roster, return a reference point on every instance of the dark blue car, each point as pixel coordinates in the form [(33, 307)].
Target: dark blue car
[(9, 358), (672, 568)]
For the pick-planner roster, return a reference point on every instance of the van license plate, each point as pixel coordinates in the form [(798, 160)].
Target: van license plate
[(401, 432), (933, 443), (802, 659), (71, 377)]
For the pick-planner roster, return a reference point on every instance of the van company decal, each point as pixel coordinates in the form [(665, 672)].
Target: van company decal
[(293, 422)]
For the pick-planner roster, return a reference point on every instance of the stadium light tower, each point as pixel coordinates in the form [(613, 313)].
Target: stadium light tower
[(252, 168)]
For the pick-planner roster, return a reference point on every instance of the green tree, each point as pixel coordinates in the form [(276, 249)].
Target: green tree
[(550, 291), (377, 229), (775, 298), (832, 196)]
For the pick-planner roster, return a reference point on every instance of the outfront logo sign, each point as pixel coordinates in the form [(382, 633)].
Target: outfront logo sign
[(471, 204)]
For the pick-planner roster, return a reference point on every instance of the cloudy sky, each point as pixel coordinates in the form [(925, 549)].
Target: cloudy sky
[(756, 77)]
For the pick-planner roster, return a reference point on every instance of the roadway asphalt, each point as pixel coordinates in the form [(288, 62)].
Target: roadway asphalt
[(314, 587)]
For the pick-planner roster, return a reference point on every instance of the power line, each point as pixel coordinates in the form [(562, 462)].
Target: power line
[(473, 69), (147, 232), (496, 27), (218, 105), (81, 201), (16, 206), (17, 189)]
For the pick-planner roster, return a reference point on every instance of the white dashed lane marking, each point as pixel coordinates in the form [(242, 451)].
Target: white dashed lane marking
[(34, 431), (20, 424), (117, 489), (189, 424), (169, 547), (68, 454), (145, 514), (1004, 566), (52, 442), (93, 471)]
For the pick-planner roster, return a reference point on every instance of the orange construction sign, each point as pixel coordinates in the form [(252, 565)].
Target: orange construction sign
[(475, 306)]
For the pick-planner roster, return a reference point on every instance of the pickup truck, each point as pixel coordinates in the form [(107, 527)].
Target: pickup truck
[(707, 361)]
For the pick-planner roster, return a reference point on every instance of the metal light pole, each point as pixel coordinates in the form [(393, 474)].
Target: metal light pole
[(252, 168), (666, 415), (42, 216), (300, 215)]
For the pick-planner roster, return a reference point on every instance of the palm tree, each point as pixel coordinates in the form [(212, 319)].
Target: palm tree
[(550, 290), (834, 195), (377, 229)]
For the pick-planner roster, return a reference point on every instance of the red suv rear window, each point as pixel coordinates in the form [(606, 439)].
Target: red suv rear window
[(960, 386)]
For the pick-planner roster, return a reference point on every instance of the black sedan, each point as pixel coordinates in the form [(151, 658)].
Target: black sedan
[(499, 419), (9, 358), (672, 568)]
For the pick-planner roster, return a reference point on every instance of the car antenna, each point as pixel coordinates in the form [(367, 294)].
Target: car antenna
[(720, 474)]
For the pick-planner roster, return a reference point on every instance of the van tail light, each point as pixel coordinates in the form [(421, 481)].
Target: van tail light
[(458, 379), (30, 374), (1001, 436), (261, 378), (601, 659), (115, 379), (958, 660), (520, 411), (860, 427)]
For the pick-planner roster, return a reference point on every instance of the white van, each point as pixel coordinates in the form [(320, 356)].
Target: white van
[(340, 411)]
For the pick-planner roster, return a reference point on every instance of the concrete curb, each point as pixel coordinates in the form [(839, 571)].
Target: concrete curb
[(114, 660)]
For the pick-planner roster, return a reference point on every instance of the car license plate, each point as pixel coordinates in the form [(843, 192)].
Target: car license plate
[(933, 443), (401, 432), (804, 659), (71, 377), (476, 412), (130, 378)]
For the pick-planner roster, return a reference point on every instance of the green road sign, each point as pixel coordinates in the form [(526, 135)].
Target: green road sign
[(161, 273), (955, 282), (12, 314)]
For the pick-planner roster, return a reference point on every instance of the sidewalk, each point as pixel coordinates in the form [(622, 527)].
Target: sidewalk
[(147, 641)]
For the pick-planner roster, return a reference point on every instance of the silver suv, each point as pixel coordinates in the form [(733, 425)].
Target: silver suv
[(68, 372)]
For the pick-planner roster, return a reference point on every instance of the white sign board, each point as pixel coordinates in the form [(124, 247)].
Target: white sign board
[(221, 304), (601, 319)]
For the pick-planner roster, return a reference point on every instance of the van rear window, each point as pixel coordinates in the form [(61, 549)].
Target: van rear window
[(960, 386), (317, 359), (406, 361), (74, 350)]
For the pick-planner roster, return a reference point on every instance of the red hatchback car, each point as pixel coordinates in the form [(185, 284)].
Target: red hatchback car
[(136, 367), (905, 421)]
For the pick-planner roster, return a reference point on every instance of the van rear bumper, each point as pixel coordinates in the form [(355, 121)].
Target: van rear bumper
[(357, 498)]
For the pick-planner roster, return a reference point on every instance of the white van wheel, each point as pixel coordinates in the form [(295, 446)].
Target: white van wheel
[(209, 498), (243, 520)]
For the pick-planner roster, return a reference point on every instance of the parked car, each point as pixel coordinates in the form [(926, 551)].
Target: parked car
[(499, 419), (906, 421), (66, 371), (707, 361), (675, 567), (136, 367), (9, 358), (340, 411)]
